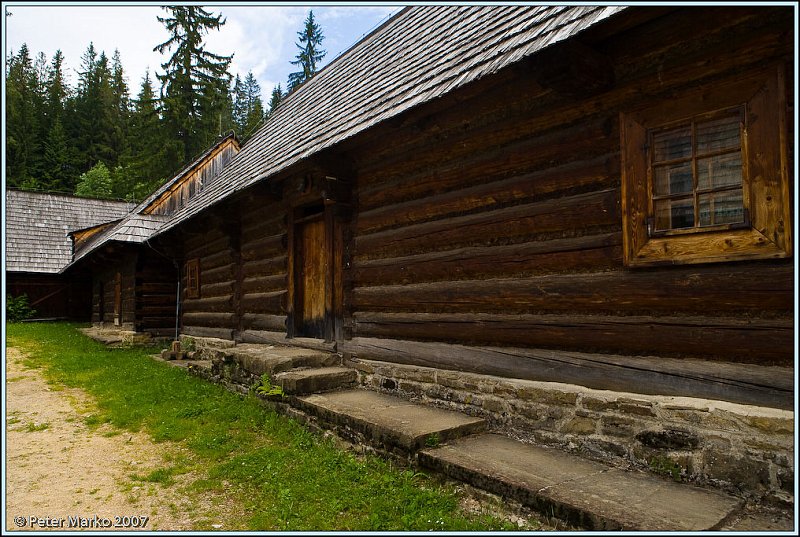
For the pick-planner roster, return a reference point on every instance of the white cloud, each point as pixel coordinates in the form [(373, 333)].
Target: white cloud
[(262, 37)]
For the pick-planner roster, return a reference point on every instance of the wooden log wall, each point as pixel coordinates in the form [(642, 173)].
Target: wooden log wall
[(242, 258), (156, 293), (120, 267), (497, 220), (213, 313), (263, 269)]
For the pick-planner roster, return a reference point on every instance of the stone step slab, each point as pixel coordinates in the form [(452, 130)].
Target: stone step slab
[(258, 360), (583, 493), (387, 421), (322, 379)]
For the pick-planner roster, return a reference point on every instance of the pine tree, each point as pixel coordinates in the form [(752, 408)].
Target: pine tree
[(254, 108), (120, 108), (310, 54), (275, 99), (146, 162), (94, 121), (194, 84), (58, 171), (239, 104)]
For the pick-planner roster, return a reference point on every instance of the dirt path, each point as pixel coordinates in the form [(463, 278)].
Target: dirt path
[(62, 473)]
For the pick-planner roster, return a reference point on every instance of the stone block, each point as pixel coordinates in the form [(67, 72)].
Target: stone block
[(617, 426), (782, 426), (669, 439), (598, 405), (604, 447), (636, 409), (578, 425), (742, 472), (550, 397), (493, 404)]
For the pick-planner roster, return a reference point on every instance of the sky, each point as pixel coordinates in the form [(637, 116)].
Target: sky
[(261, 36)]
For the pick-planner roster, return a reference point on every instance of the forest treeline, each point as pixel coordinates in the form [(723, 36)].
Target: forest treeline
[(98, 139)]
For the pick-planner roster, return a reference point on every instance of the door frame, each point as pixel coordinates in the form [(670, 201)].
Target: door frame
[(332, 243)]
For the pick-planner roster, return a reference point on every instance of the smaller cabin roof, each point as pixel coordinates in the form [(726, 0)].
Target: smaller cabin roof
[(38, 227), (139, 225)]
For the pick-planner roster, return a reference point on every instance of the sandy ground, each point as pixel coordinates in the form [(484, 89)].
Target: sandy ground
[(63, 475)]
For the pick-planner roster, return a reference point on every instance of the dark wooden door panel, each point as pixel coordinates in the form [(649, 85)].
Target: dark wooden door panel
[(314, 264)]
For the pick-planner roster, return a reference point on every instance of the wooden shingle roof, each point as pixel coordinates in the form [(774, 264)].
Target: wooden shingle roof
[(418, 55), (137, 227), (38, 224)]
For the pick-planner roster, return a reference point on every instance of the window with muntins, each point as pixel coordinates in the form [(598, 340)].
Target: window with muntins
[(696, 173), (705, 175)]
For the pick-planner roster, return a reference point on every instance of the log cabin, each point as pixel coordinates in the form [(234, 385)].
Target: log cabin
[(38, 247), (598, 200), (134, 284)]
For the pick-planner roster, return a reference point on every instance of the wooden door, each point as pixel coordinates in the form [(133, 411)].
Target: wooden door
[(312, 265)]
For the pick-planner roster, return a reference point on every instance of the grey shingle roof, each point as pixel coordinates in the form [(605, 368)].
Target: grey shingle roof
[(134, 228), (37, 227), (417, 56)]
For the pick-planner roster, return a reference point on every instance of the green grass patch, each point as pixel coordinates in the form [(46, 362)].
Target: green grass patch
[(278, 475), (33, 427)]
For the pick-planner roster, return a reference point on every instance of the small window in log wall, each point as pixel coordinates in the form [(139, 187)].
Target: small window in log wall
[(193, 278), (705, 176)]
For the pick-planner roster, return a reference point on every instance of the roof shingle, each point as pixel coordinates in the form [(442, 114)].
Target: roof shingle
[(38, 224)]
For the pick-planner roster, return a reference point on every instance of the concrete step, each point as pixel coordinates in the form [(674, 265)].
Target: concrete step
[(317, 380), (392, 424), (580, 492)]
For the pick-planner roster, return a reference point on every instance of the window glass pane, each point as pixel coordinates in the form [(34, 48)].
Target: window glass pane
[(672, 144), (672, 179), (674, 214), (718, 134), (721, 208), (719, 171)]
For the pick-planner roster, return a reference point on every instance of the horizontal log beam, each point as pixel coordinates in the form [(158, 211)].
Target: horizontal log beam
[(583, 211), (227, 320), (759, 341), (273, 302), (726, 289), (600, 252), (259, 321), (737, 383), (540, 183), (264, 247), (264, 267), (212, 304), (263, 284), (204, 331)]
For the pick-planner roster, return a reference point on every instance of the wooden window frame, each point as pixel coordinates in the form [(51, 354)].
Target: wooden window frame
[(193, 278), (765, 176)]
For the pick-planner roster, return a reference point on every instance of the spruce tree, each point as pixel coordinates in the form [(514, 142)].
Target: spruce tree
[(119, 108), (23, 149), (146, 161), (194, 84), (310, 54), (275, 98), (255, 108), (239, 105)]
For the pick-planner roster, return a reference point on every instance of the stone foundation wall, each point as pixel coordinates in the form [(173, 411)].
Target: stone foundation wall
[(744, 449)]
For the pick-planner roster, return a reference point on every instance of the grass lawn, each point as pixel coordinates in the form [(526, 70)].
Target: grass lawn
[(281, 476)]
